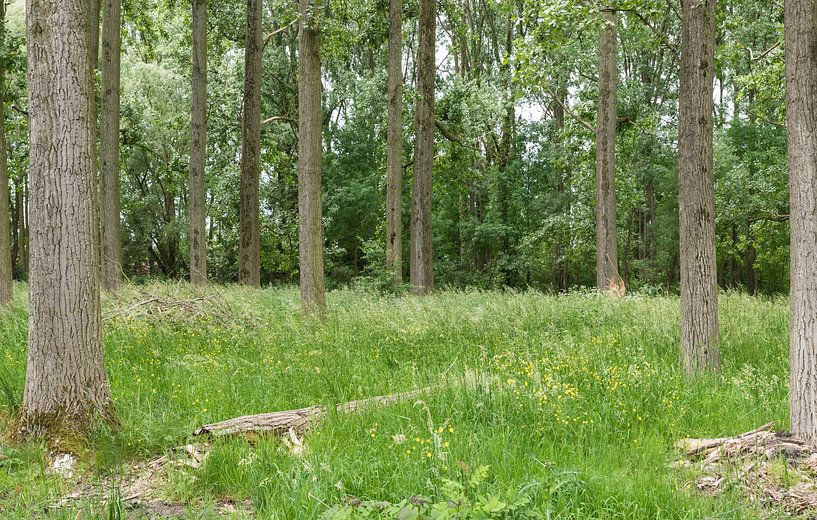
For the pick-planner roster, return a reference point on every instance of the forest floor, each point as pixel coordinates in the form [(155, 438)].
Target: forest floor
[(539, 407)]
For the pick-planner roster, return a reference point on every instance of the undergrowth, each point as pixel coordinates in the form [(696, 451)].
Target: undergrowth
[(585, 401)]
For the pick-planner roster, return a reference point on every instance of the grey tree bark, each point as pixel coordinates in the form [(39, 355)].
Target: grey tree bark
[(6, 269), (198, 147), (607, 277), (249, 260), (110, 202), (696, 187), (801, 98), (93, 31), (421, 262), (66, 381), (310, 154), (394, 145)]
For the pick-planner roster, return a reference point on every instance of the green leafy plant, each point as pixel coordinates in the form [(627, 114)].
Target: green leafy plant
[(465, 499)]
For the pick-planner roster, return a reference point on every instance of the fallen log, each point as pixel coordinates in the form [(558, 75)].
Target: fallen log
[(695, 446), (297, 421)]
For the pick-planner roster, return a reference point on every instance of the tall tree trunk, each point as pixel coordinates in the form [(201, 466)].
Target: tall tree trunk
[(198, 146), (559, 120), (65, 378), (249, 268), (310, 155), (422, 275), (394, 146), (696, 186), (606, 250), (109, 201), (93, 32), (6, 271), (20, 257), (801, 83)]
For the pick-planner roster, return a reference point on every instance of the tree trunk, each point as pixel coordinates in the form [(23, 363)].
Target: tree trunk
[(801, 82), (394, 146), (65, 378), (249, 265), (606, 250), (93, 32), (6, 271), (750, 257), (310, 155), (109, 201), (20, 253), (198, 147), (422, 275), (560, 256), (696, 186)]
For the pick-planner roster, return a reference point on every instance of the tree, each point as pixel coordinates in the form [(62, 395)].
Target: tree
[(422, 275), (93, 31), (607, 277), (696, 187), (109, 201), (249, 269), (66, 382), (5, 231), (198, 146), (394, 144), (801, 83), (310, 155)]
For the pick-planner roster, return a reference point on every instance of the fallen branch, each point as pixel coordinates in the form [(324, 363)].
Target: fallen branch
[(298, 421), (696, 446), (748, 462)]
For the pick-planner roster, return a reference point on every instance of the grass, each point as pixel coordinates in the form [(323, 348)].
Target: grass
[(580, 423)]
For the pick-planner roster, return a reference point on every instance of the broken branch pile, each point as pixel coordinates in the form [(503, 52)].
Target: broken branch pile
[(770, 468)]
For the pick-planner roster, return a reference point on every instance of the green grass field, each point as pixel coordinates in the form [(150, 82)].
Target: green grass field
[(578, 401)]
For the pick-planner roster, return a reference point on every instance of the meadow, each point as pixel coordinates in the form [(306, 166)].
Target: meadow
[(542, 406)]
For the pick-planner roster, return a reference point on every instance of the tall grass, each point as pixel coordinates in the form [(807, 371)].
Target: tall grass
[(585, 401)]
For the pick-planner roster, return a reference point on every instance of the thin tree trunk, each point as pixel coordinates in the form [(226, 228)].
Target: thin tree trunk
[(606, 250), (66, 381), (6, 271), (109, 201), (422, 275), (198, 146), (801, 83), (699, 282), (394, 146), (249, 268), (559, 119), (310, 155)]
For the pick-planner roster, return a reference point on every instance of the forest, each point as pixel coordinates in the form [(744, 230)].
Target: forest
[(411, 259)]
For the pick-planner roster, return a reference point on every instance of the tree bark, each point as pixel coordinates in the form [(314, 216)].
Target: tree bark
[(696, 186), (607, 277), (310, 155), (249, 268), (66, 381), (198, 146), (6, 271), (394, 145), (93, 32), (109, 201), (801, 83), (421, 265)]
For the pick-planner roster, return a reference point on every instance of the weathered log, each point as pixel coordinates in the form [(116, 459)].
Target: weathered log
[(697, 446), (298, 421)]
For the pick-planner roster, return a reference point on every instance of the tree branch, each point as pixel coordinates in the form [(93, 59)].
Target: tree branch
[(572, 114), (454, 138)]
